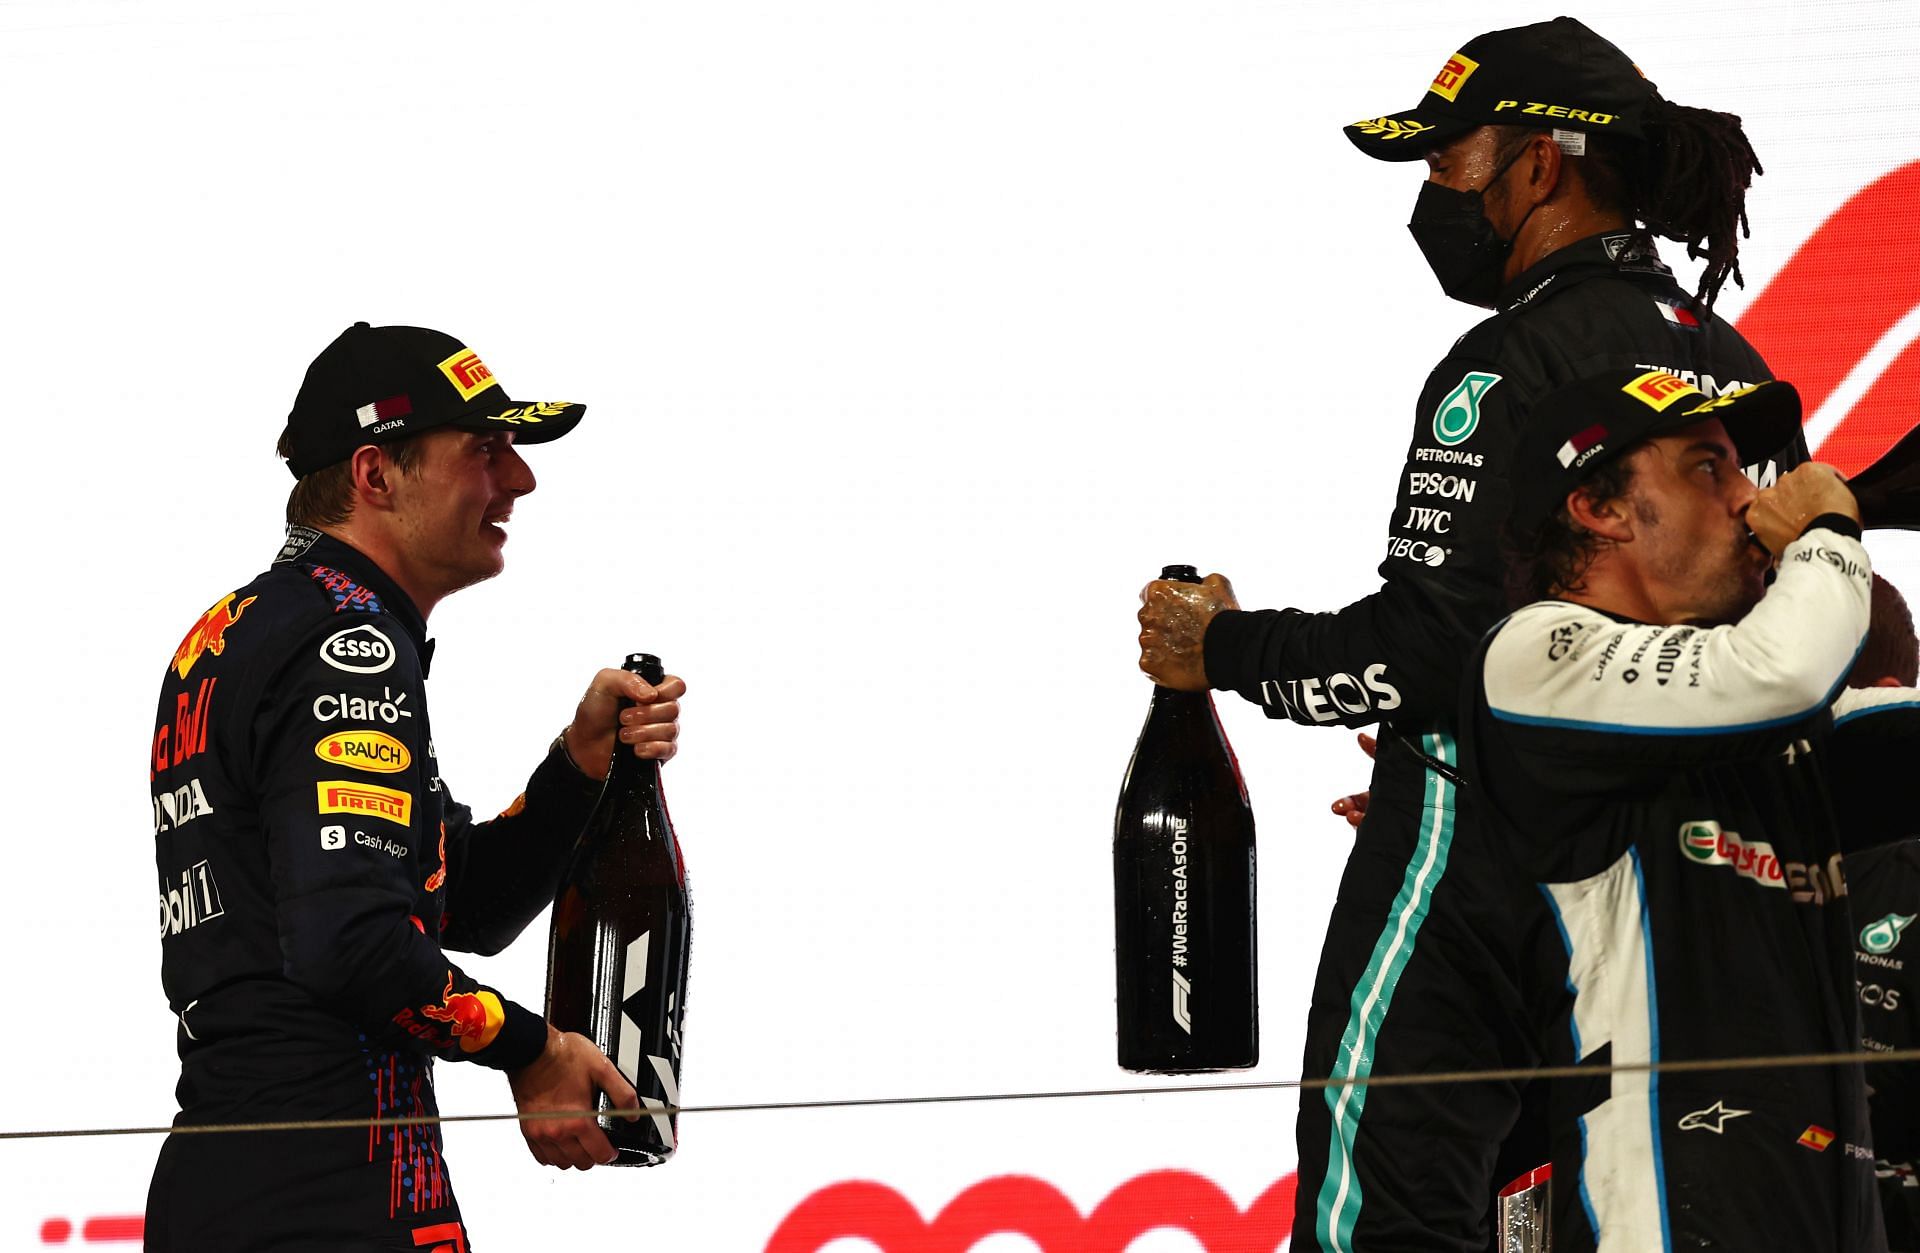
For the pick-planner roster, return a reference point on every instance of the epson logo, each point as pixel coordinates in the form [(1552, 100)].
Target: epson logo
[(1431, 483), (1331, 698), (1439, 521), (192, 903), (362, 649)]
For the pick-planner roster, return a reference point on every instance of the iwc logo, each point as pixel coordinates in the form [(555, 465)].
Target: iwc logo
[(1459, 413), (1884, 936)]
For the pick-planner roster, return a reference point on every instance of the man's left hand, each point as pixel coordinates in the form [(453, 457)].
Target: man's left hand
[(651, 725), (1173, 624)]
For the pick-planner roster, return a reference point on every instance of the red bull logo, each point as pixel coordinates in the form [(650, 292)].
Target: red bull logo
[(475, 1017), (438, 879), (209, 634)]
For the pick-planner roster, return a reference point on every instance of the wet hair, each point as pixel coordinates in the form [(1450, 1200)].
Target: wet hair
[(1890, 650), (1553, 557), (1686, 181), (325, 497)]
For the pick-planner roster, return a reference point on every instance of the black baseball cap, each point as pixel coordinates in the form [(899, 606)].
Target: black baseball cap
[(375, 384), (1582, 426), (1554, 75)]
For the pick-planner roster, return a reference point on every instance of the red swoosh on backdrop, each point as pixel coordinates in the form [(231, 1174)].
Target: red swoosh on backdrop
[(1854, 278), (1023, 1205)]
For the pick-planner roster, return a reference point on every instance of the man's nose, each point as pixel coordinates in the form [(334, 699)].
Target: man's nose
[(516, 475), (1743, 494)]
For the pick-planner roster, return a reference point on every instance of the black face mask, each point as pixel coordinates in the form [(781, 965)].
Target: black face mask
[(1466, 254)]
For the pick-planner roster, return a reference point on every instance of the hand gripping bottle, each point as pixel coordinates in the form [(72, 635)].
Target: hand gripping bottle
[(617, 953), (1183, 903)]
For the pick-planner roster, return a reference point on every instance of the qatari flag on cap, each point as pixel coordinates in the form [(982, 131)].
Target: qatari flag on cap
[(381, 410), (1580, 443)]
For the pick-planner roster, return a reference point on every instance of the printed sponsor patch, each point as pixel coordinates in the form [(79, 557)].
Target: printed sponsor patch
[(1658, 390), (1459, 413), (363, 649), (1453, 76), (344, 796), (1707, 844), (468, 374), (375, 751), (1884, 936), (209, 634)]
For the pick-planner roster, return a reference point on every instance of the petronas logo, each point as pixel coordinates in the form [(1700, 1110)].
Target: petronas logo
[(1459, 414), (1884, 936)]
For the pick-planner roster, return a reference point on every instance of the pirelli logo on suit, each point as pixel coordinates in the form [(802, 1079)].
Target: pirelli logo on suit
[(344, 796)]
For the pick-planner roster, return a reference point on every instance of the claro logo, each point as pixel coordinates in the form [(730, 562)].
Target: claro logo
[(1024, 1206)]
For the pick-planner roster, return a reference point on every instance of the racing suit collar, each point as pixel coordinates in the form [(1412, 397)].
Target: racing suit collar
[(1609, 251), (318, 548)]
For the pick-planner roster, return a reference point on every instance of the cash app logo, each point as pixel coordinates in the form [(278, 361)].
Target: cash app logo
[(1884, 936), (1459, 413)]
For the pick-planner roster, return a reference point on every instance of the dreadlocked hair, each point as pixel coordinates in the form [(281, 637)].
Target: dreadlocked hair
[(1686, 181)]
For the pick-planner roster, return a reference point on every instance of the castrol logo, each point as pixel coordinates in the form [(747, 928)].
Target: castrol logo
[(364, 750)]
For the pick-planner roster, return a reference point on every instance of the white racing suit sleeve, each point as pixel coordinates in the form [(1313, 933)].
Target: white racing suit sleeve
[(1684, 693)]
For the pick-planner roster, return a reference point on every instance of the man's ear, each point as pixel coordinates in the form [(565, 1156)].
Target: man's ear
[(372, 477), (1543, 164), (1609, 519)]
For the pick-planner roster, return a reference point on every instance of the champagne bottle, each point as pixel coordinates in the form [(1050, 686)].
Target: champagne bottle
[(1183, 899), (1889, 489), (617, 952)]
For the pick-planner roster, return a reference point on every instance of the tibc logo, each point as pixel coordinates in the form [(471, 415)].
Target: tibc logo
[(340, 796), (1884, 936), (363, 649), (1452, 76), (364, 750), (468, 373)]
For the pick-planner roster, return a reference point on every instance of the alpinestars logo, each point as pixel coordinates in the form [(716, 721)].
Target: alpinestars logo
[(1883, 937), (1459, 413)]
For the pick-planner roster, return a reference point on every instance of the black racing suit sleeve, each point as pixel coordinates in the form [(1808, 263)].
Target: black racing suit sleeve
[(348, 872), (1399, 652), (502, 872), (1870, 774)]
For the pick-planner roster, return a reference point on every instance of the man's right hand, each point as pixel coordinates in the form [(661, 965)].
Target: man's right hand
[(1779, 514), (569, 1074)]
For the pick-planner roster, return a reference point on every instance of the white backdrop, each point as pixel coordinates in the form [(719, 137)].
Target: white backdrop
[(916, 337)]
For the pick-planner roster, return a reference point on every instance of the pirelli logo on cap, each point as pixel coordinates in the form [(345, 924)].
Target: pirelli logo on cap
[(343, 796), (1452, 76), (468, 373), (1658, 390)]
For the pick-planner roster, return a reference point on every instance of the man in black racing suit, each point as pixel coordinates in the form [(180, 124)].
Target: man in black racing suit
[(314, 866), (1540, 213), (1651, 746)]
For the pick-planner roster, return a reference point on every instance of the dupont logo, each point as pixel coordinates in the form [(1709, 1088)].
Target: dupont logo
[(341, 796), (1658, 390), (374, 751), (1707, 844), (467, 373)]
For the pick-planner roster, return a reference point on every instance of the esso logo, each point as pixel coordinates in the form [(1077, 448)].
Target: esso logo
[(363, 649)]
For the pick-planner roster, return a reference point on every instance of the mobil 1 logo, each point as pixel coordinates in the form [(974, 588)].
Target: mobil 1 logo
[(361, 649)]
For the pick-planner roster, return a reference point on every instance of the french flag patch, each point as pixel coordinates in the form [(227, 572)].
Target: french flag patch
[(1573, 448), (1677, 314), (381, 410)]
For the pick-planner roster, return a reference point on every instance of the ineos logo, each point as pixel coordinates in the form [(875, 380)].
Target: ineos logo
[(362, 649)]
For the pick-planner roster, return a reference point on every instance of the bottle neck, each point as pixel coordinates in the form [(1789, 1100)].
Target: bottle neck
[(630, 773)]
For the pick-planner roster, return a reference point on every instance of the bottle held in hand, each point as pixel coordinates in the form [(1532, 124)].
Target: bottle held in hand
[(617, 952), (1183, 893)]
